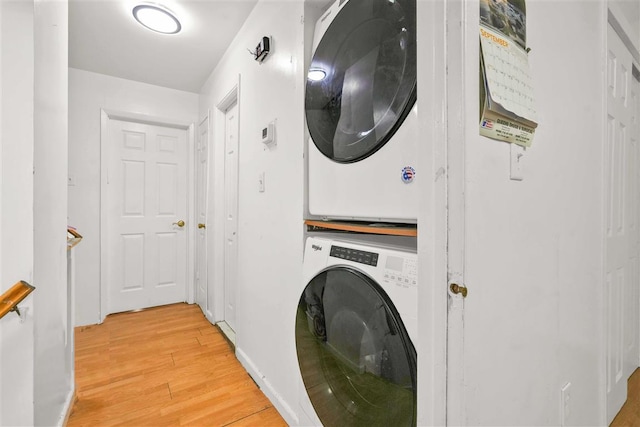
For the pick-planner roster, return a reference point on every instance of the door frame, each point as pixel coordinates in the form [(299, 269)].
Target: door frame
[(461, 17), (216, 254), (105, 116), (206, 309), (434, 156), (230, 97)]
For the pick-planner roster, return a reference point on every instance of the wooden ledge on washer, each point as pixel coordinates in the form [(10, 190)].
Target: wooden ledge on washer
[(409, 230), (9, 300)]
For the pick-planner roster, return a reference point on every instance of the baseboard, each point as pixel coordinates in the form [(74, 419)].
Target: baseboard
[(290, 416), (209, 316), (68, 406), (229, 333)]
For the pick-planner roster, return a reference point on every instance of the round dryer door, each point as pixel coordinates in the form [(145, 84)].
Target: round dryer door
[(358, 364), (362, 79)]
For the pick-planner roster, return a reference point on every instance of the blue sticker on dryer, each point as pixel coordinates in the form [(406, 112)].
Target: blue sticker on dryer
[(408, 174)]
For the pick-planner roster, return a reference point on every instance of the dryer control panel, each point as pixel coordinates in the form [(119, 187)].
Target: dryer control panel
[(355, 255), (401, 271)]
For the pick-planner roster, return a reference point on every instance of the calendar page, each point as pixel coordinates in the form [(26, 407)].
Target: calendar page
[(507, 74), (509, 111)]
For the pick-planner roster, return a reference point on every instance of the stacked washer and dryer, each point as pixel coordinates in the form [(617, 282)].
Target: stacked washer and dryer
[(356, 320)]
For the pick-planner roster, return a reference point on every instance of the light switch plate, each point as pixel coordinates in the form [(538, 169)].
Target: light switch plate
[(261, 182), (517, 157)]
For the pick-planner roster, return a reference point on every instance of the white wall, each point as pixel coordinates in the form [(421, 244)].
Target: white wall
[(88, 94), (1, 143), (53, 373), (270, 226), (16, 219), (627, 15), (533, 317), (36, 379)]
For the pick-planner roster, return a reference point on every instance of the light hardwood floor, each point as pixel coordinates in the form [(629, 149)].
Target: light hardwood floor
[(629, 415), (168, 366), (165, 366)]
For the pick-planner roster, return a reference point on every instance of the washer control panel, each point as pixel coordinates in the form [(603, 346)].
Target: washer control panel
[(355, 255), (401, 271)]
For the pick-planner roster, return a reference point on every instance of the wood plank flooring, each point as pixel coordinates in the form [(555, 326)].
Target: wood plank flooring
[(165, 366), (168, 366), (629, 415)]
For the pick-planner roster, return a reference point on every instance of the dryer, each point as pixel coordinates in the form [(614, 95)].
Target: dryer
[(356, 323), (360, 106)]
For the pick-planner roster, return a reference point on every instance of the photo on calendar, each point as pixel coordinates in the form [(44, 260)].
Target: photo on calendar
[(508, 17)]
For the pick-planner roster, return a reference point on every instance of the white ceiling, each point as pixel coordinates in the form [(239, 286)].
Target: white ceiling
[(104, 38)]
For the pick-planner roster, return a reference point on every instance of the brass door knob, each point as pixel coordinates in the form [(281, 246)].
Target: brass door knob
[(200, 225), (179, 223), (458, 289)]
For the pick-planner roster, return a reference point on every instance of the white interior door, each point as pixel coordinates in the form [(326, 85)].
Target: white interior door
[(146, 206), (202, 157), (231, 214), (621, 241)]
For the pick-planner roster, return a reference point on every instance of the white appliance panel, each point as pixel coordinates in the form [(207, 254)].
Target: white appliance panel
[(371, 189), (395, 271)]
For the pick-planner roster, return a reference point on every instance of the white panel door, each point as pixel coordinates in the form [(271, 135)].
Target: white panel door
[(621, 263), (202, 156), (231, 214), (146, 200)]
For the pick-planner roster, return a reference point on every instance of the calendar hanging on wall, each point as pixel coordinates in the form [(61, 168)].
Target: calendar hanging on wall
[(507, 110)]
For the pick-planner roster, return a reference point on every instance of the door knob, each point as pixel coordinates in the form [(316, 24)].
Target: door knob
[(179, 223), (200, 225), (458, 289)]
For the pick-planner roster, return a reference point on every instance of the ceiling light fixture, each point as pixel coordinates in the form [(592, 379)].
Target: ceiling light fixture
[(157, 18), (316, 75)]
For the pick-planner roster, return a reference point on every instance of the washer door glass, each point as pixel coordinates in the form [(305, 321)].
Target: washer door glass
[(362, 79), (358, 364)]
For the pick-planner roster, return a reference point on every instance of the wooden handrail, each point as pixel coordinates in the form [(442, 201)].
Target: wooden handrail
[(73, 237), (9, 300)]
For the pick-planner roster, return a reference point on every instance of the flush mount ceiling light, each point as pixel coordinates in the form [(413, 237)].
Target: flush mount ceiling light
[(157, 18), (315, 75)]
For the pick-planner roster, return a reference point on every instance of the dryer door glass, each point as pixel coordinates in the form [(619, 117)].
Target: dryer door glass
[(362, 79), (357, 362)]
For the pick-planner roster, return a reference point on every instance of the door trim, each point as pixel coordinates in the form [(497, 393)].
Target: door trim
[(207, 201), (461, 17), (230, 97), (431, 346), (602, 336), (105, 116)]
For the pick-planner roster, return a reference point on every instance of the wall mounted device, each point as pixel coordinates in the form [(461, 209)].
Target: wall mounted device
[(263, 48), (268, 134)]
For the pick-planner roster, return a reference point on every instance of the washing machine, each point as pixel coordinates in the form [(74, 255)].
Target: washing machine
[(360, 105), (356, 325)]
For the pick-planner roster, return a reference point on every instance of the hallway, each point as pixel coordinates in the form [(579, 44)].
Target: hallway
[(163, 366)]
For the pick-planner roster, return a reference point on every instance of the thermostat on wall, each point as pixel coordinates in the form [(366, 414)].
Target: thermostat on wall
[(268, 134)]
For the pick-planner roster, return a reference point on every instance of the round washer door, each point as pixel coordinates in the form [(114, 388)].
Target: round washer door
[(362, 78), (357, 362)]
